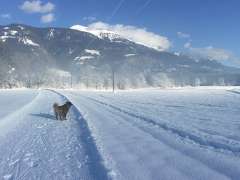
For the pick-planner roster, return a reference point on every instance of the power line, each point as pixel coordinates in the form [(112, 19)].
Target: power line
[(144, 6), (119, 5)]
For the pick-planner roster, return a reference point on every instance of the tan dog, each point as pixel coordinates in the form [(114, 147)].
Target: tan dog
[(61, 111)]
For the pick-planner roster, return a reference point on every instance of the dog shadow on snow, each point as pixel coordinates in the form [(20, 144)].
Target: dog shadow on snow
[(45, 116)]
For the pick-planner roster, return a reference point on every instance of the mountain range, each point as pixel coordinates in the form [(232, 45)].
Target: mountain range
[(63, 57)]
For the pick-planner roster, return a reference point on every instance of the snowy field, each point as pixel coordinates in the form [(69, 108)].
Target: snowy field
[(177, 134)]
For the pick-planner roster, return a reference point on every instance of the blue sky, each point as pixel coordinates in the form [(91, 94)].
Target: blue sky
[(199, 27)]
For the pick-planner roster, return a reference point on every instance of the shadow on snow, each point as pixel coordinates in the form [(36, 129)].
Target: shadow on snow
[(44, 115)]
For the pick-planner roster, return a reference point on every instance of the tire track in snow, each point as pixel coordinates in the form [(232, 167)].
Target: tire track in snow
[(219, 166), (201, 155), (181, 133), (234, 91)]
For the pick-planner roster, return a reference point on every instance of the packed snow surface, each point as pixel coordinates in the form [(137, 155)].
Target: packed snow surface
[(189, 133), (34, 145)]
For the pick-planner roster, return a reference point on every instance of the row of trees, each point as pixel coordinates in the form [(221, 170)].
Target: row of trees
[(100, 80)]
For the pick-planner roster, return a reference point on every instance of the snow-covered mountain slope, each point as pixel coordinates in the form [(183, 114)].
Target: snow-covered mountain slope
[(120, 34), (100, 33), (28, 56), (147, 134)]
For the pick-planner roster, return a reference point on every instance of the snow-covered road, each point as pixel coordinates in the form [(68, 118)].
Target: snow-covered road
[(33, 145), (149, 134)]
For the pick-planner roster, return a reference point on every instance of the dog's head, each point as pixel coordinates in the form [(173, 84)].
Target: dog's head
[(69, 104)]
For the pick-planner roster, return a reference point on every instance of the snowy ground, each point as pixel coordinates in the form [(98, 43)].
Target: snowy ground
[(189, 133)]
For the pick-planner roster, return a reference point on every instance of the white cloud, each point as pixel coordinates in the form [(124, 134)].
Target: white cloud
[(36, 6), (209, 52), (48, 18), (5, 16), (89, 18), (183, 35), (138, 35)]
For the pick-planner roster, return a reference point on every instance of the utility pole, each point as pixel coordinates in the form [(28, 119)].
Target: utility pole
[(87, 83), (71, 79), (113, 80)]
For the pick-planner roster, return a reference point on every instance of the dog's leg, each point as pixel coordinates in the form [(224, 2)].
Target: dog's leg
[(61, 116), (56, 115), (64, 116), (66, 113)]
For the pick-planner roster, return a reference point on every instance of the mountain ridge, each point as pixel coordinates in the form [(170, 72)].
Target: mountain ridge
[(32, 56)]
